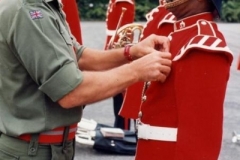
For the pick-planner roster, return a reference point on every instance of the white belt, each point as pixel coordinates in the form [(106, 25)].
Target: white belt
[(146, 131)]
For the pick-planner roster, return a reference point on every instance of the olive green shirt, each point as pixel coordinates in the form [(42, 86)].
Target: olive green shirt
[(38, 66)]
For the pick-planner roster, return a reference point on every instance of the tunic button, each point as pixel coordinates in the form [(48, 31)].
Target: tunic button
[(144, 98), (203, 23), (148, 84), (140, 114)]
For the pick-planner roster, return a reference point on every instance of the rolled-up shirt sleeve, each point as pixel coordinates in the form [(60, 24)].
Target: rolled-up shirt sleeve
[(63, 81)]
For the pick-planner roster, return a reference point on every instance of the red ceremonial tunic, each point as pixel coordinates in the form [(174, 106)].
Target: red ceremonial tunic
[(159, 22), (113, 15), (71, 10), (192, 97)]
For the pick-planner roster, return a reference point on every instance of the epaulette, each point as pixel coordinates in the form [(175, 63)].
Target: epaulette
[(207, 39), (169, 18), (149, 15)]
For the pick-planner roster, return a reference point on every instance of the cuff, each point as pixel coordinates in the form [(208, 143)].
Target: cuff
[(62, 82)]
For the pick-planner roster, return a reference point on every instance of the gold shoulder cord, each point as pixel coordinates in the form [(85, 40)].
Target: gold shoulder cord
[(174, 3)]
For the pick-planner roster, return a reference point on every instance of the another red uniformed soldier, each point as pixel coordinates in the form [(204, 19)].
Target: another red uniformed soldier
[(113, 16), (182, 118), (114, 12), (159, 21), (72, 15)]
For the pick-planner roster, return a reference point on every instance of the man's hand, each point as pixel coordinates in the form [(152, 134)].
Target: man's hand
[(151, 44), (153, 67)]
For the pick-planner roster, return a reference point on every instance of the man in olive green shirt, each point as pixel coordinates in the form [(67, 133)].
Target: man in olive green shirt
[(46, 76)]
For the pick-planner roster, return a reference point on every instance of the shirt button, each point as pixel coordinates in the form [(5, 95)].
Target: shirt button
[(32, 150)]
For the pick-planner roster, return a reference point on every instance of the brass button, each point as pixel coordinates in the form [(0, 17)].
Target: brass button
[(144, 98), (140, 114), (148, 84)]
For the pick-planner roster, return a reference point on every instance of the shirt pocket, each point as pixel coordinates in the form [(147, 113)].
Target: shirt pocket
[(66, 36), (64, 33)]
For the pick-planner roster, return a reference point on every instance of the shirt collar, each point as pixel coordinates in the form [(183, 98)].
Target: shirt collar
[(189, 21)]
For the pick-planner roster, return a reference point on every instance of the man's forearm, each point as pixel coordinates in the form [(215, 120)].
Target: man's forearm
[(99, 85), (97, 60)]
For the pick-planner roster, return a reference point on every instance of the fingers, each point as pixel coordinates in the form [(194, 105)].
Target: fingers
[(165, 55), (151, 44), (155, 66), (161, 78), (165, 70), (162, 43)]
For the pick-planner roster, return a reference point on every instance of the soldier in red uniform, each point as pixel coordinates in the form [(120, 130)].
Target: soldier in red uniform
[(71, 10), (112, 19), (182, 118), (114, 13), (160, 22)]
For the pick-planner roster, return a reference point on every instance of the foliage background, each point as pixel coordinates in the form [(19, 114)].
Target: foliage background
[(231, 11), (96, 9)]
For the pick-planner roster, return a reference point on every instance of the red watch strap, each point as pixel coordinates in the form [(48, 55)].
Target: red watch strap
[(127, 53)]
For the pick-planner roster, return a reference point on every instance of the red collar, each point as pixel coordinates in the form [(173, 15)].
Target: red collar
[(189, 21)]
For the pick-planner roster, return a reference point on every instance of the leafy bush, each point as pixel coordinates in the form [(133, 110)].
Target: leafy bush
[(96, 10), (231, 11)]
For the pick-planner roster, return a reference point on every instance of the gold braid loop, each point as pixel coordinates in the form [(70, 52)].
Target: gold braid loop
[(174, 3)]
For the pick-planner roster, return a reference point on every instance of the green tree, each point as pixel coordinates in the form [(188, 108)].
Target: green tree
[(231, 11), (96, 10)]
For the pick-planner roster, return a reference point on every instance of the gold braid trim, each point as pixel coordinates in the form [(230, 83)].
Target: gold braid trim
[(174, 3)]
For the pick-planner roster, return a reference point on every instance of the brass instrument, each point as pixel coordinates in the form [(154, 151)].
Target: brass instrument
[(127, 34)]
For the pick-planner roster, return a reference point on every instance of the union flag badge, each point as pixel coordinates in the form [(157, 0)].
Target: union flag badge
[(37, 14)]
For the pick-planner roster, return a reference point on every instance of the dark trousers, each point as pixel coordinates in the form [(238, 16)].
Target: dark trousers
[(15, 149), (120, 122)]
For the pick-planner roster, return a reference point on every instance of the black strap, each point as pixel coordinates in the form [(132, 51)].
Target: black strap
[(65, 138), (74, 145), (33, 145)]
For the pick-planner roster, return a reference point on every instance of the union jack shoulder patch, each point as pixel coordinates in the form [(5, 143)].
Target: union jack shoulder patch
[(36, 14)]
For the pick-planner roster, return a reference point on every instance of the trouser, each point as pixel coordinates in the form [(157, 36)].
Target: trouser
[(16, 149), (120, 122)]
